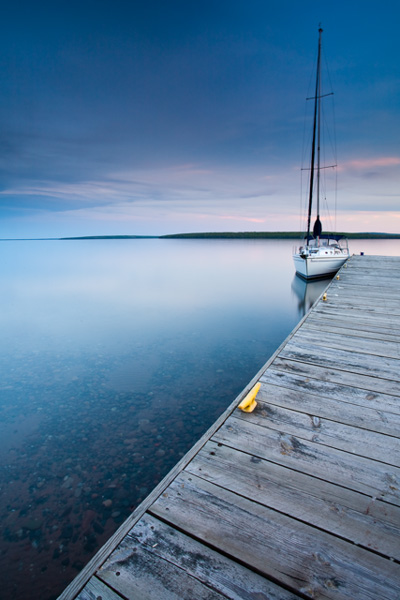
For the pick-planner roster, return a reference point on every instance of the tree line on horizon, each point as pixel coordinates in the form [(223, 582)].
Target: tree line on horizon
[(276, 235)]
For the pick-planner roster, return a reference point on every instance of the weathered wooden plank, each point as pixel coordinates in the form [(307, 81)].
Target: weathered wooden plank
[(317, 429), (361, 275), (319, 327), (335, 318), (366, 272), (366, 286), (358, 295), (358, 289), (350, 343), (96, 589), (379, 318), (377, 273), (135, 570), (170, 565), (384, 314), (353, 282), (388, 308), (351, 515), (382, 311), (296, 554), (361, 295), (365, 276), (353, 362), (382, 266), (389, 277), (368, 383), (353, 291), (363, 475), (360, 259), (345, 404)]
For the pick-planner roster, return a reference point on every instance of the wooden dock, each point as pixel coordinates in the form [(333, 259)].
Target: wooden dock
[(299, 499)]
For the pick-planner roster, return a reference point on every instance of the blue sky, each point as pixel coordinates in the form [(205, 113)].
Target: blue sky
[(163, 117)]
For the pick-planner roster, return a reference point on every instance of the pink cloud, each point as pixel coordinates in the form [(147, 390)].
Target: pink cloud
[(371, 163), (241, 218)]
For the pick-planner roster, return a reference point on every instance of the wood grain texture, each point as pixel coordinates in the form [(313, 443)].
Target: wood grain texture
[(342, 468), (342, 403), (349, 343), (327, 432), (329, 373), (171, 565), (350, 361), (275, 545), (353, 516), (96, 589)]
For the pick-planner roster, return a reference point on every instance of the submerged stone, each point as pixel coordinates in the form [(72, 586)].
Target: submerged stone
[(32, 524)]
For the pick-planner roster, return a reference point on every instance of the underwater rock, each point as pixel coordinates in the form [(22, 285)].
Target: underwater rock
[(32, 524)]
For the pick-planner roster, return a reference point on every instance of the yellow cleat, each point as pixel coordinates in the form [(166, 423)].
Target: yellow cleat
[(248, 403)]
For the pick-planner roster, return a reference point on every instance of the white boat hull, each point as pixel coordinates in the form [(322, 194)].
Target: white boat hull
[(312, 267)]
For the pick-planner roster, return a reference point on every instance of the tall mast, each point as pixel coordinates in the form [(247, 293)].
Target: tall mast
[(319, 124), (316, 118)]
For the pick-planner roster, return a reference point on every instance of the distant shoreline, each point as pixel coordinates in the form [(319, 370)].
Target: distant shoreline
[(250, 235), (278, 235)]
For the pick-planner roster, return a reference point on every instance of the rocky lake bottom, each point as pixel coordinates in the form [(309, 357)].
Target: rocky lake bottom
[(78, 456)]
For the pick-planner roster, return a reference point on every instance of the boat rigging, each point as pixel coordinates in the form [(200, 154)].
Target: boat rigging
[(322, 254)]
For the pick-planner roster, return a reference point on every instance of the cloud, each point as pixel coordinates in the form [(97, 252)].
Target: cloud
[(196, 196), (363, 164), (180, 184), (241, 218)]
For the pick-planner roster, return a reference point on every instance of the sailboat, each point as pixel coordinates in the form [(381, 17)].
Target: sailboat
[(320, 255)]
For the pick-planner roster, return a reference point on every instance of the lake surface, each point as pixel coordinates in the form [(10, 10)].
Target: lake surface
[(115, 357)]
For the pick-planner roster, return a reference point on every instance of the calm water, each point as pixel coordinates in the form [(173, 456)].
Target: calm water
[(115, 357)]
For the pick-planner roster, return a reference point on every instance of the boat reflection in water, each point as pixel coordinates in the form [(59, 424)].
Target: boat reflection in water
[(308, 292)]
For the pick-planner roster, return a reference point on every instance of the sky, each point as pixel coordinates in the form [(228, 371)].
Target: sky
[(153, 117)]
